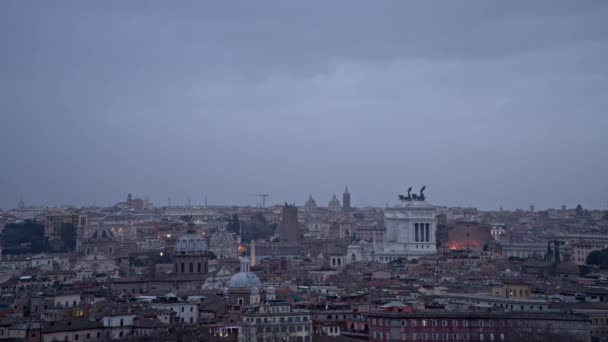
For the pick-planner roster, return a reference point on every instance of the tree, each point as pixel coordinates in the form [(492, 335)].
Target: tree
[(598, 258), (234, 226), (68, 236), (26, 237), (258, 228)]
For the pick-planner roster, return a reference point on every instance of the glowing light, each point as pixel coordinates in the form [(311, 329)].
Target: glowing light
[(161, 253), (168, 235)]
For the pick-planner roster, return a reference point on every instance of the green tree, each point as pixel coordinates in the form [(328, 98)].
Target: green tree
[(258, 228), (68, 236), (25, 237), (598, 258), (234, 225)]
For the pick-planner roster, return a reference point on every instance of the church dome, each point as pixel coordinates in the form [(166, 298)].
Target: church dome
[(244, 279), (334, 204), (191, 242), (310, 203), (223, 244), (102, 233)]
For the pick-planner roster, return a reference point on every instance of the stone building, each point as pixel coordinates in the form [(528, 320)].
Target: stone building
[(102, 240), (191, 255), (410, 230), (243, 288), (469, 236), (289, 228)]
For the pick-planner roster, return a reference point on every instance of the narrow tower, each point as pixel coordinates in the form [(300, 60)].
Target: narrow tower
[(346, 199)]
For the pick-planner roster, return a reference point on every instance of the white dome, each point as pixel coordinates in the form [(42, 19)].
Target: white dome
[(244, 280), (191, 242)]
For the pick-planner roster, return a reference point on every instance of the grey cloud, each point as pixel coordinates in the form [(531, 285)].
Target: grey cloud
[(487, 104)]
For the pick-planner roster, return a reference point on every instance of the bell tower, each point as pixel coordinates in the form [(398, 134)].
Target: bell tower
[(346, 199)]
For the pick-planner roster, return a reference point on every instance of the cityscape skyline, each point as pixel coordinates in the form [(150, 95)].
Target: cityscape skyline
[(254, 200)]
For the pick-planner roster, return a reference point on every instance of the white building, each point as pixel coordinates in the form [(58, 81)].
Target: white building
[(409, 230)]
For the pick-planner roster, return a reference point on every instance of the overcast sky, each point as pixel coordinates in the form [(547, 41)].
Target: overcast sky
[(486, 103)]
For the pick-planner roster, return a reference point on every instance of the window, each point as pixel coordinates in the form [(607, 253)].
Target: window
[(465, 323), (76, 337), (454, 322), (434, 323), (403, 323), (455, 337), (480, 323), (481, 336), (465, 336), (122, 322), (444, 323)]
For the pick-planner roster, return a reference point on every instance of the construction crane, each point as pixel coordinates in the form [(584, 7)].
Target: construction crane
[(263, 196)]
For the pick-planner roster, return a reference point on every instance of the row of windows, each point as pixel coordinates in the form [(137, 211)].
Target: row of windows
[(298, 328), (433, 322), (440, 337), (190, 267), (279, 319)]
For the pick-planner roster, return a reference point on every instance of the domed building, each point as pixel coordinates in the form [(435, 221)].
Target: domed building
[(223, 244), (191, 254), (310, 204), (334, 204), (243, 288), (102, 240)]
